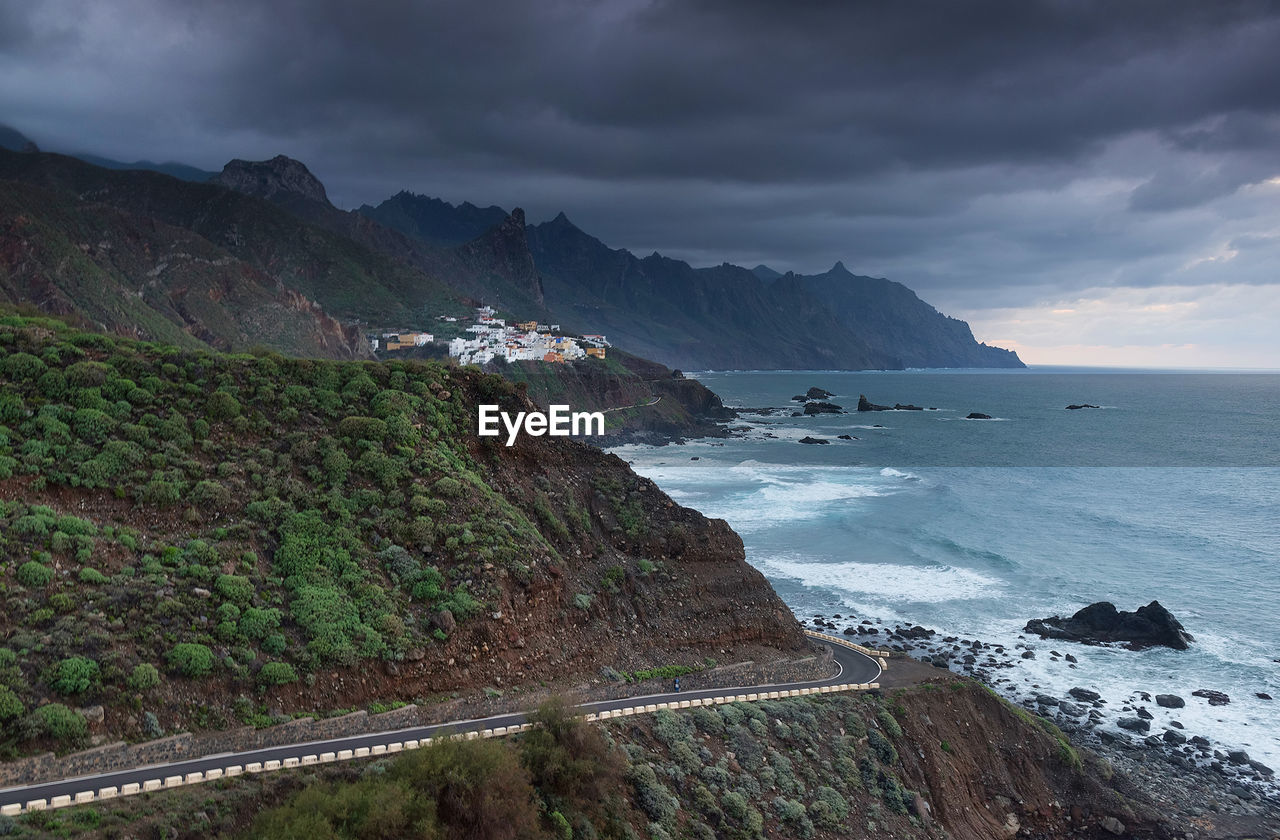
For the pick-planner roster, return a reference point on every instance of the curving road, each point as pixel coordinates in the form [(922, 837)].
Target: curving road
[(853, 667)]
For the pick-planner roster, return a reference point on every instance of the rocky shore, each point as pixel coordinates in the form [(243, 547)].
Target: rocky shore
[(1196, 780)]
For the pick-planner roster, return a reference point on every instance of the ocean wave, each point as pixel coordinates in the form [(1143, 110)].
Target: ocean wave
[(884, 581)]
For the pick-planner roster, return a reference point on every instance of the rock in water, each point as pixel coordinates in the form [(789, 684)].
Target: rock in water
[(813, 440), (816, 393), (822, 408), (1215, 698), (865, 404), (1074, 407), (1100, 623), (977, 415)]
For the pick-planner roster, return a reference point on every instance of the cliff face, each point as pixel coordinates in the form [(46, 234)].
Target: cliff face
[(324, 535)]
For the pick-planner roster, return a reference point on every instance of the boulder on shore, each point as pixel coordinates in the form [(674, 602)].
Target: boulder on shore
[(1101, 623), (822, 408)]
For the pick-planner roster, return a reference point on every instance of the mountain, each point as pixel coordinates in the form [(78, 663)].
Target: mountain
[(15, 141), (181, 171), (346, 279), (891, 317), (434, 221), (493, 268), (666, 310), (135, 276), (721, 317)]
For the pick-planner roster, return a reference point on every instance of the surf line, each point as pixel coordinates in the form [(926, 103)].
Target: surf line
[(558, 421)]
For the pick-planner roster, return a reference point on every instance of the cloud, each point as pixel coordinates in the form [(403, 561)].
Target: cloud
[(987, 153)]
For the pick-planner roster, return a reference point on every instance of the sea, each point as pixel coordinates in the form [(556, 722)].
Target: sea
[(1168, 491)]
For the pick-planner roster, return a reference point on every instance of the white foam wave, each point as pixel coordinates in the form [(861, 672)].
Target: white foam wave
[(884, 581)]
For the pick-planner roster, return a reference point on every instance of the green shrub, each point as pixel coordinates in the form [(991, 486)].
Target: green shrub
[(256, 624), (11, 706), (34, 575), (190, 659), (74, 675), (222, 406), (235, 588), (92, 577), (363, 428), (276, 673), (23, 367), (61, 723), (144, 677)]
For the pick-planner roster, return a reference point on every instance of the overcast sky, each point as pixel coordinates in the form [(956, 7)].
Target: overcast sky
[(1092, 183)]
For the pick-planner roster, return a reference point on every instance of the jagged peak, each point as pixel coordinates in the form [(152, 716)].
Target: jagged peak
[(270, 179), (839, 268)]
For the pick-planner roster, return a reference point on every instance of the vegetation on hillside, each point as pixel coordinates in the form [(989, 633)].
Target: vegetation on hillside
[(290, 515)]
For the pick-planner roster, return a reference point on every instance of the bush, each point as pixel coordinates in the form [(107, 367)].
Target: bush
[(10, 704), (93, 577), (74, 675), (34, 575), (144, 677), (222, 406), (23, 367), (61, 723), (190, 659), (235, 588), (277, 673), (256, 624)]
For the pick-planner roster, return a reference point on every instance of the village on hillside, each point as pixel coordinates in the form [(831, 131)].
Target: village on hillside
[(491, 338)]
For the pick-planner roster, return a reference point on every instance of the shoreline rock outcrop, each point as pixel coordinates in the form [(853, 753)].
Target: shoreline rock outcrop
[(1102, 623)]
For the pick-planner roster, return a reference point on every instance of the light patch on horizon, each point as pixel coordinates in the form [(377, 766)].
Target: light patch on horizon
[(1231, 326)]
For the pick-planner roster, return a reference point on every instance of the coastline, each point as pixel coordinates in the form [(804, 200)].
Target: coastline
[(1190, 779)]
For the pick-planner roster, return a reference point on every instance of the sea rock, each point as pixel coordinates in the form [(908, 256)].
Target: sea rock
[(1074, 407), (865, 404), (1238, 757), (1149, 626), (851, 437), (812, 440), (822, 408), (799, 398), (1070, 709), (977, 415), (907, 407), (1170, 701), (1262, 695), (1085, 694), (1215, 698), (816, 393), (1134, 724), (1173, 736)]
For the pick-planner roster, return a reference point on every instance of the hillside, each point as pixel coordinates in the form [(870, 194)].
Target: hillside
[(192, 540), (347, 280), (135, 276)]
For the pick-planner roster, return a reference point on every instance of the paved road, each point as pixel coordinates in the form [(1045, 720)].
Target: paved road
[(854, 667)]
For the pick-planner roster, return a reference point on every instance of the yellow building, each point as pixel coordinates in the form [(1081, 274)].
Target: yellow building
[(598, 352)]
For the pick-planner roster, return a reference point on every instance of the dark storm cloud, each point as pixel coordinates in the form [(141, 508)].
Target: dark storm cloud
[(977, 149)]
